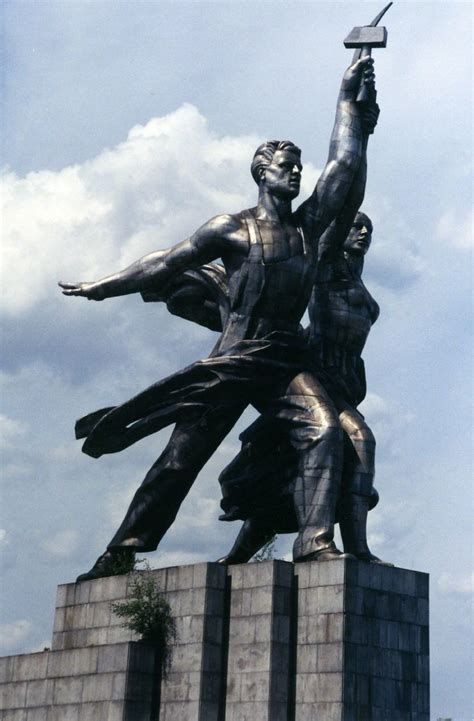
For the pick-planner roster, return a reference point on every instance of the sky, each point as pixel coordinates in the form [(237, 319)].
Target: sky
[(126, 126)]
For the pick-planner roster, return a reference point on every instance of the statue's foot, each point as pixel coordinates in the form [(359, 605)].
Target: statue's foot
[(369, 557), (233, 514), (110, 563), (230, 560), (328, 553)]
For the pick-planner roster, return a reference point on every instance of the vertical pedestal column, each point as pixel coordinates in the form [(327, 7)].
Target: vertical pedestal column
[(193, 688), (258, 671), (362, 651)]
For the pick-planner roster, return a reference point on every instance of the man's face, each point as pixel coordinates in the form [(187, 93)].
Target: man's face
[(360, 236), (282, 177)]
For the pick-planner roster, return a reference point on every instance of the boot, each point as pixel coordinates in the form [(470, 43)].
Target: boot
[(353, 525), (111, 563), (328, 552), (252, 536)]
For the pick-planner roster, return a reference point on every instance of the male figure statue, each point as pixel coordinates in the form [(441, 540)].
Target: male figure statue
[(270, 257)]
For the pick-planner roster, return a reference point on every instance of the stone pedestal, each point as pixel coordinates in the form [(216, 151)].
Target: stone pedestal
[(362, 643), (258, 668), (332, 641)]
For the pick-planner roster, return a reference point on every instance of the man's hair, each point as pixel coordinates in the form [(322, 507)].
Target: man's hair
[(264, 155), (363, 217)]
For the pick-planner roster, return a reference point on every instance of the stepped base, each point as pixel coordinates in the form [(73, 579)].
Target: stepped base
[(334, 641)]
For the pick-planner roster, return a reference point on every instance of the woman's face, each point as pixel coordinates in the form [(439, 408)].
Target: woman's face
[(360, 235)]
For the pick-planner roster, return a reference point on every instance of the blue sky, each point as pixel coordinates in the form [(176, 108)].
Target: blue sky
[(127, 125)]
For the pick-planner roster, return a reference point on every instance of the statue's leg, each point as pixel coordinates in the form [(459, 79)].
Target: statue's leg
[(357, 483), (253, 535), (167, 483), (157, 501), (317, 436)]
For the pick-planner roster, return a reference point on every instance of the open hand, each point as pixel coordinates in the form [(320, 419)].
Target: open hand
[(91, 291)]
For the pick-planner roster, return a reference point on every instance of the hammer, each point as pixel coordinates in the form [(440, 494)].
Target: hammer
[(364, 39)]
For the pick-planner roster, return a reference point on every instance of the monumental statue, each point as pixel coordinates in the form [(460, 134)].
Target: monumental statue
[(275, 261), (257, 484)]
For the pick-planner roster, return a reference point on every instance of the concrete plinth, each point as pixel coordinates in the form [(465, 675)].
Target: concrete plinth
[(330, 641), (362, 643)]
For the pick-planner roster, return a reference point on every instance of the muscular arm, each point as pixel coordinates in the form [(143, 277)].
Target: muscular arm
[(332, 240), (347, 150), (156, 269)]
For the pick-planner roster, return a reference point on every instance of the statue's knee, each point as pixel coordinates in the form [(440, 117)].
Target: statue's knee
[(327, 431)]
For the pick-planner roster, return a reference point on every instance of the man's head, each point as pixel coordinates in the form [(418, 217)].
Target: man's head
[(276, 165), (360, 235)]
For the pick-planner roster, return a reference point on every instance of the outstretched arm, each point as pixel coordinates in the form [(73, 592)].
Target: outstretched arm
[(346, 153), (156, 269)]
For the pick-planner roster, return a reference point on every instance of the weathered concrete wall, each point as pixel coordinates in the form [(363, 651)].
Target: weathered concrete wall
[(362, 647), (106, 683), (332, 641)]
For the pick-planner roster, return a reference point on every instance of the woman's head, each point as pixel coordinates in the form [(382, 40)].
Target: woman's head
[(360, 235)]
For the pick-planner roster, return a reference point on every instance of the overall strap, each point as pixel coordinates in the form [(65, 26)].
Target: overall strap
[(256, 247)]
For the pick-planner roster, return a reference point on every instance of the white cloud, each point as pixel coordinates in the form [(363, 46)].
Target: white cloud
[(10, 431), (17, 470), (384, 419), (450, 583), (13, 634), (62, 543), (374, 405), (3, 537), (456, 230), (394, 260), (117, 502)]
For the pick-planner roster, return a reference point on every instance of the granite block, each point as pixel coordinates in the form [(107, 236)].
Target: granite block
[(118, 634), (186, 657), (67, 690), (249, 656), (282, 601), (422, 585), (13, 695), (39, 692), (422, 616), (37, 713), (12, 715), (320, 712), (7, 667), (243, 630), (59, 619), (30, 666), (321, 687), (307, 658), (210, 688), (330, 658), (97, 687), (330, 573), (254, 686), (279, 660), (72, 662), (67, 712), (280, 629), (112, 588)]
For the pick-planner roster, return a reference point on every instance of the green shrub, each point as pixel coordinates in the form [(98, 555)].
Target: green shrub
[(123, 562), (148, 614)]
